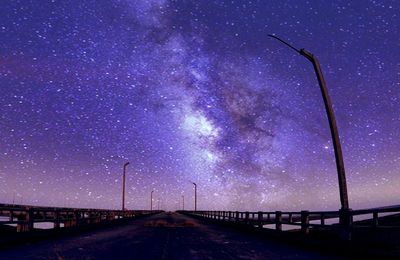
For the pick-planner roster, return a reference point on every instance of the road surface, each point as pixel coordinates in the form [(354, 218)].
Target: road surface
[(163, 236)]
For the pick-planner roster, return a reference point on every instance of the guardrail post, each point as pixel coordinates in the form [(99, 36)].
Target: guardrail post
[(229, 215), (68, 220), (11, 215), (31, 219), (305, 221), (78, 217), (345, 222), (72, 221), (56, 219), (278, 220), (27, 225), (260, 219), (97, 217), (247, 218), (87, 215), (375, 219), (322, 219), (237, 216)]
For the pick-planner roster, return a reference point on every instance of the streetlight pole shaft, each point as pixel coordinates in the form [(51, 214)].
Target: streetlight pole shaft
[(123, 190), (123, 186), (195, 196), (344, 200), (151, 200), (333, 129)]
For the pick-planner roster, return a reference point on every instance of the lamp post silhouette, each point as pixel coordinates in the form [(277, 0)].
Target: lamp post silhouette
[(123, 185), (195, 196), (151, 200), (333, 128)]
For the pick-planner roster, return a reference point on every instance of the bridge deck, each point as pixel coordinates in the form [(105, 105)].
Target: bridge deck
[(162, 236)]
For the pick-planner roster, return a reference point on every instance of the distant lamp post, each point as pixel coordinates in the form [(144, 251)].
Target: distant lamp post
[(332, 125), (195, 196), (151, 200), (123, 185), (183, 202)]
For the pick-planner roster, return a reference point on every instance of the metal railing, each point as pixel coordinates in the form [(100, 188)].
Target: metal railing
[(304, 220), (24, 217)]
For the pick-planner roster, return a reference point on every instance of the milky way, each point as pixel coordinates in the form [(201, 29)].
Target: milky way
[(196, 91)]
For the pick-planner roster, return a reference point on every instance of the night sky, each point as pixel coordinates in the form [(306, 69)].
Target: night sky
[(196, 91)]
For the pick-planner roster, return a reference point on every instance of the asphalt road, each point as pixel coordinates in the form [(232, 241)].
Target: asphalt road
[(163, 236)]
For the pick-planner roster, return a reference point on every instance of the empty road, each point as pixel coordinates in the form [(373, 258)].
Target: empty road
[(163, 236)]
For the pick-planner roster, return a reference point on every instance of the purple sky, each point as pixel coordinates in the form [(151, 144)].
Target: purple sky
[(195, 91)]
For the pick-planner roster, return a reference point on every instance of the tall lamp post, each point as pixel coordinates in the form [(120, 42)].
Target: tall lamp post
[(151, 200), (333, 129), (195, 196), (123, 186)]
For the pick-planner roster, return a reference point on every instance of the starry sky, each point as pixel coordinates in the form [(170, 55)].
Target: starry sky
[(196, 91)]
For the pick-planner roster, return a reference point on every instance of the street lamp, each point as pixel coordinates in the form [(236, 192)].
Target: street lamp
[(195, 196), (151, 200), (123, 185), (332, 124)]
